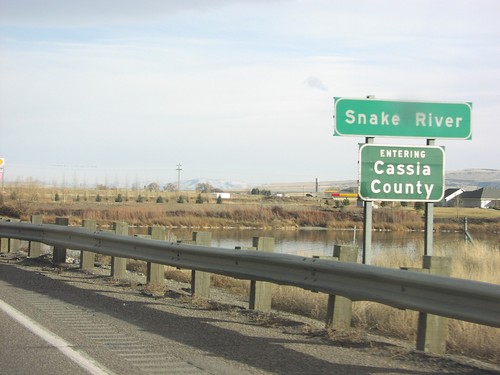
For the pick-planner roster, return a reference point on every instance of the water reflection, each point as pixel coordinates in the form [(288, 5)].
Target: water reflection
[(309, 242)]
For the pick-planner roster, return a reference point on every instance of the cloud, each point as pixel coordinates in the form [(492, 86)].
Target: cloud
[(315, 83)]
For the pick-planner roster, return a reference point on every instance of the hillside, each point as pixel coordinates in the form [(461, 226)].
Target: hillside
[(473, 178), (469, 179)]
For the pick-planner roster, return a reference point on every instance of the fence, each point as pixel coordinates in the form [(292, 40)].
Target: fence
[(466, 300)]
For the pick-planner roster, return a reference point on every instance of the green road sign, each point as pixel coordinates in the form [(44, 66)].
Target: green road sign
[(401, 173), (383, 118)]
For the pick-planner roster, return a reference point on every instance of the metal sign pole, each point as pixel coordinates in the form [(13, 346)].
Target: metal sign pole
[(367, 224), (429, 219)]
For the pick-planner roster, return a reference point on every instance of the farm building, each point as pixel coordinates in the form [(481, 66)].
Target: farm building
[(222, 195), (483, 198)]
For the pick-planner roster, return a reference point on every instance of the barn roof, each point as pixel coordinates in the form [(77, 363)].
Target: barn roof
[(483, 193)]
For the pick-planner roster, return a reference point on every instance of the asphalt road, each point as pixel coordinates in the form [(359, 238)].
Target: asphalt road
[(124, 331), (23, 352)]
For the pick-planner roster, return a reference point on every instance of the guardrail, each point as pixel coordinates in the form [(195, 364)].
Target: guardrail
[(461, 299)]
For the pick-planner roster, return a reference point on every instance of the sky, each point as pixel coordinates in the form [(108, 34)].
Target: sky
[(119, 92)]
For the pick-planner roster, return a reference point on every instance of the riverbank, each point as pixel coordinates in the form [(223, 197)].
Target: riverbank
[(264, 214)]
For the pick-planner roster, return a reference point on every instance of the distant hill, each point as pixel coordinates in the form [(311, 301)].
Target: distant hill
[(218, 184), (469, 179)]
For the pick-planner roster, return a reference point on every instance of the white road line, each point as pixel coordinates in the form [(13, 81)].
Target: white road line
[(62, 345)]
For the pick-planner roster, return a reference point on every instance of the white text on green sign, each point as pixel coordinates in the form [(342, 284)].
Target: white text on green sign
[(372, 117), (401, 173)]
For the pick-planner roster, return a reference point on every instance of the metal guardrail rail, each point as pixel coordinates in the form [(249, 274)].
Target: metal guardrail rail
[(460, 299)]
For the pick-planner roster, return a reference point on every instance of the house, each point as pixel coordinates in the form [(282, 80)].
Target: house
[(483, 198)]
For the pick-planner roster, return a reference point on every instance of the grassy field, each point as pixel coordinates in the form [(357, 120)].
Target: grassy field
[(461, 212)]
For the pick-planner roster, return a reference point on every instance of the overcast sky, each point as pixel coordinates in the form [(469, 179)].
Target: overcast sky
[(121, 91)]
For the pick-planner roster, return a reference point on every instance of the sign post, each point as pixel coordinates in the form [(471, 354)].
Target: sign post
[(393, 173)]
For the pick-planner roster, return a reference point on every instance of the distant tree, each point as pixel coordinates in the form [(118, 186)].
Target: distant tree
[(170, 187), (180, 199), (346, 202), (257, 191), (101, 187), (404, 204), (77, 198), (153, 186), (56, 197), (199, 199), (204, 187), (98, 198), (384, 204), (419, 206), (139, 199), (119, 198), (159, 199), (219, 199)]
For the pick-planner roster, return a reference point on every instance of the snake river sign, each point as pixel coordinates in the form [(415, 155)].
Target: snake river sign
[(401, 173), (373, 118)]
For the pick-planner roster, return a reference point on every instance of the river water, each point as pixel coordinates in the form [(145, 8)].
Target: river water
[(311, 242)]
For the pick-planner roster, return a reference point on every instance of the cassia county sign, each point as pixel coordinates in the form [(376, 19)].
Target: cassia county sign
[(373, 117), (401, 173)]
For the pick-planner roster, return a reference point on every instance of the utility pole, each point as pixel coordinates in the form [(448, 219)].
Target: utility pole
[(179, 169)]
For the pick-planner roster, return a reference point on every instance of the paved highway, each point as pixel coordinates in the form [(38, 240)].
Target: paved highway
[(113, 328), (23, 352)]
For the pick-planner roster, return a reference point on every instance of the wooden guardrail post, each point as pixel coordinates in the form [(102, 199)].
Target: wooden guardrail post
[(432, 332), (155, 274), (200, 280), (14, 243), (59, 253), (35, 248), (4, 244), (261, 291), (87, 258), (339, 308), (119, 265)]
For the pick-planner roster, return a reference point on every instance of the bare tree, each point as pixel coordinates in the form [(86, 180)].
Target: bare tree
[(153, 186), (170, 187), (204, 187)]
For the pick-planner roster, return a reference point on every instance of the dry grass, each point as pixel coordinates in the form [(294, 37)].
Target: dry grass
[(461, 212), (474, 262), (299, 301)]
